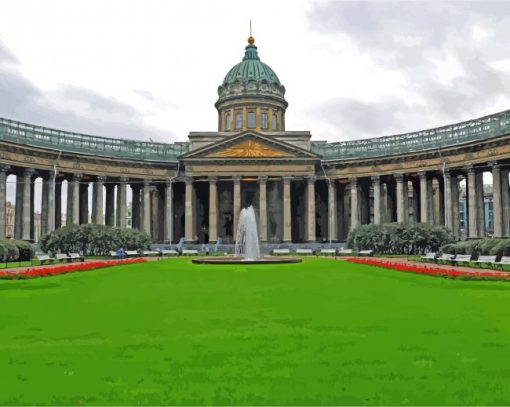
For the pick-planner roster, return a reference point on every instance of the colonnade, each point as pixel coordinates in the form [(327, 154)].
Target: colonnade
[(289, 209)]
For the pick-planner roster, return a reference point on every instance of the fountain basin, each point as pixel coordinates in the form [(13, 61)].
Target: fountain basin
[(241, 260)]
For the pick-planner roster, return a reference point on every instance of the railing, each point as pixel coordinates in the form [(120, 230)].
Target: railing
[(483, 128), (28, 134)]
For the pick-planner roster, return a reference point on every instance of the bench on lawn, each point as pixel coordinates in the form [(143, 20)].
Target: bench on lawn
[(429, 256), (170, 252), (151, 253), (365, 252), (62, 257), (485, 260), (328, 252), (132, 253), (190, 252), (505, 261), (446, 257), (113, 253), (304, 251), (462, 258), (44, 257), (345, 251), (278, 252), (76, 256)]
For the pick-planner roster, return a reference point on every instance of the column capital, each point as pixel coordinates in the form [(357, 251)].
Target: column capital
[(5, 167), (311, 179), (263, 178), (124, 180), (471, 169), (399, 177), (376, 178), (236, 179), (169, 182), (28, 172), (495, 165), (422, 174), (287, 179), (77, 176), (353, 181), (101, 178), (147, 182), (212, 178)]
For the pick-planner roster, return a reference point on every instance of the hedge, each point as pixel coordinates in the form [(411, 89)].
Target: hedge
[(480, 247), (15, 250), (399, 238)]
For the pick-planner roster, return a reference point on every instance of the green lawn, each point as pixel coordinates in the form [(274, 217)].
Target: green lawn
[(320, 332)]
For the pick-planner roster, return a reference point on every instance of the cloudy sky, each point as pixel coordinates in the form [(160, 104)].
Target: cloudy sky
[(150, 69)]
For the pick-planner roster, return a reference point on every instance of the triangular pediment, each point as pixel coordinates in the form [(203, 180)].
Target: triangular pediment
[(249, 146)]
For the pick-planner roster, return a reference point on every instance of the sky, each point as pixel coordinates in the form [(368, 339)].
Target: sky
[(352, 69)]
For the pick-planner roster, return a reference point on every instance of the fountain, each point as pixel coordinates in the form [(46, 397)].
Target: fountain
[(247, 249)]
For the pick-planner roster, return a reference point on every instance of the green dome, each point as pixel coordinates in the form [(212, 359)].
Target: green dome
[(252, 68), (251, 78)]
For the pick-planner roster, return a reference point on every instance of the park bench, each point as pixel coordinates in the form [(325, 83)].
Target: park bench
[(190, 252), (151, 253), (365, 252), (328, 252), (62, 257), (446, 257), (345, 252), (113, 253), (462, 258), (504, 261), (429, 256), (44, 257), (169, 252), (304, 251), (132, 253), (279, 252), (76, 256), (484, 260)]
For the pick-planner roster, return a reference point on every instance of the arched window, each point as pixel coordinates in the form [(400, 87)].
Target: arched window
[(273, 121), (263, 120), (239, 120)]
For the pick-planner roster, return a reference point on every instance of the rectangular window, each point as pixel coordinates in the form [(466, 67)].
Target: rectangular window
[(263, 121), (251, 120), (273, 122), (239, 120)]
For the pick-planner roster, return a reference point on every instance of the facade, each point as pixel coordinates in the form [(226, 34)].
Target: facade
[(303, 190)]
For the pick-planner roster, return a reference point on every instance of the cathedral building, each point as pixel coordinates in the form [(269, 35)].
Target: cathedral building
[(303, 190)]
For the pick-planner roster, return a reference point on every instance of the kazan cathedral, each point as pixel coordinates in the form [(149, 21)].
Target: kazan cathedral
[(303, 190)]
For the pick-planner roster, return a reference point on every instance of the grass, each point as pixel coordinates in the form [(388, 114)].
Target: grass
[(319, 332)]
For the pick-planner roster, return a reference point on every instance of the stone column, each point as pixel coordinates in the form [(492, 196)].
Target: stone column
[(425, 198), (27, 200), (505, 202), (18, 224), (480, 218), (135, 206), (50, 216), (75, 198), (169, 213), (376, 184), (146, 206), (93, 217), (497, 207), (332, 212), (110, 205), (3, 197), (448, 210), (58, 204), (263, 208), (237, 204), (310, 210), (454, 193), (45, 198), (287, 222), (97, 204), (402, 199), (188, 210), (213, 210), (472, 204), (121, 203), (354, 203)]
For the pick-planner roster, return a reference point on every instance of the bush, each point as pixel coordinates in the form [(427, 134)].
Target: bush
[(93, 240), (8, 251), (479, 247), (396, 238), (26, 252)]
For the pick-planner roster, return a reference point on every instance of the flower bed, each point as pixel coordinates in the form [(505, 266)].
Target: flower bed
[(434, 271), (65, 268)]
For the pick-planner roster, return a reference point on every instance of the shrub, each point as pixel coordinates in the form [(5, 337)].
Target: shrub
[(26, 252), (396, 238), (502, 248), (8, 251), (93, 240)]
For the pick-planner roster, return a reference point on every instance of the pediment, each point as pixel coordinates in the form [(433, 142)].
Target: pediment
[(249, 146)]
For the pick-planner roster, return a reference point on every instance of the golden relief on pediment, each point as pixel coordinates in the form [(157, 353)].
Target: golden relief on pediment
[(248, 148)]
